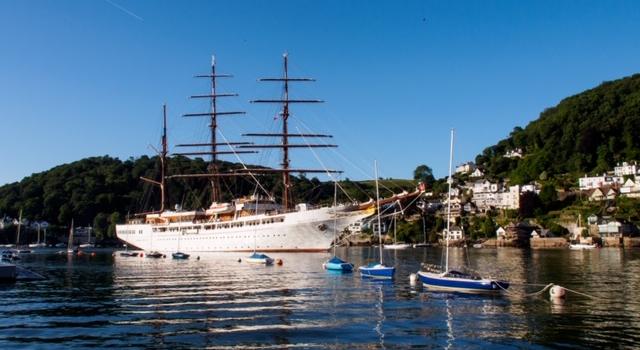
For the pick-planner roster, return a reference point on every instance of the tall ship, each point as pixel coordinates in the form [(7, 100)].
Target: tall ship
[(256, 222)]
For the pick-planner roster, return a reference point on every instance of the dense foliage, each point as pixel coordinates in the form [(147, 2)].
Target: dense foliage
[(102, 191), (586, 133)]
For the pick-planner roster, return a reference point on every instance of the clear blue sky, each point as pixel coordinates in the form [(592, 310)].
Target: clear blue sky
[(88, 78)]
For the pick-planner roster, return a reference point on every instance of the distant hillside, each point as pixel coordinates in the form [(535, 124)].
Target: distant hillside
[(100, 191), (586, 133)]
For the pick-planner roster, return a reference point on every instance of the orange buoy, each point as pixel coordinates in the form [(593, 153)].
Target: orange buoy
[(141, 255), (279, 262)]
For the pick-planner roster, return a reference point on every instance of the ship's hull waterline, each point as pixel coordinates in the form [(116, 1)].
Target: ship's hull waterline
[(303, 231)]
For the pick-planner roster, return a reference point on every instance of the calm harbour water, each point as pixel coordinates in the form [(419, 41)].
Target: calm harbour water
[(105, 301)]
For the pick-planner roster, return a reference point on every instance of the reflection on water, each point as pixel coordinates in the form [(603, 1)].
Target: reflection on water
[(217, 302)]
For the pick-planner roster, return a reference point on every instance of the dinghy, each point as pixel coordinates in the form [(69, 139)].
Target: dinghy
[(259, 258), (180, 256), (335, 263)]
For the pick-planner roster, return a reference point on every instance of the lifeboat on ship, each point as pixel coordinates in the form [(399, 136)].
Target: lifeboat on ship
[(220, 208)]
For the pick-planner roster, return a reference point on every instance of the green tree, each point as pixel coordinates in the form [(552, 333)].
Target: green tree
[(424, 173)]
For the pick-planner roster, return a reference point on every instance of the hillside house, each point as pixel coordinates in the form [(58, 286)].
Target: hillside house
[(626, 169), (603, 194), (455, 233), (630, 189), (477, 173), (465, 168), (592, 182), (514, 153)]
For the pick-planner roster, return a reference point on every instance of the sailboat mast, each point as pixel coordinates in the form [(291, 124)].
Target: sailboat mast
[(449, 181), (395, 226), (335, 216), (70, 242), (163, 161), (375, 166), (19, 226)]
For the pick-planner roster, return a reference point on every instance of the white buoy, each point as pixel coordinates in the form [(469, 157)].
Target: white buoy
[(557, 292), (412, 279)]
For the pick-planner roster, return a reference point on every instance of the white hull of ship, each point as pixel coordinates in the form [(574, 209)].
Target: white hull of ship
[(310, 230)]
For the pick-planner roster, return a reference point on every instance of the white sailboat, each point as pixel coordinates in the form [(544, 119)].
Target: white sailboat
[(70, 241), (424, 234), (395, 244), (578, 245), (453, 280), (39, 244), (88, 244)]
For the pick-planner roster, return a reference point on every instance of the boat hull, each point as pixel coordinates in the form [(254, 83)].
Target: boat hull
[(303, 231), (8, 272), (377, 272), (436, 281), (337, 264), (397, 246), (581, 246)]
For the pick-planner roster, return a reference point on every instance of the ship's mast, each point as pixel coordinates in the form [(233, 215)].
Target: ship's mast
[(163, 164), (163, 161), (286, 169), (213, 175)]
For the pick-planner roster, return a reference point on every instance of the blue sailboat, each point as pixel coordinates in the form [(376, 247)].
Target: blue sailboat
[(335, 263), (453, 280), (377, 270)]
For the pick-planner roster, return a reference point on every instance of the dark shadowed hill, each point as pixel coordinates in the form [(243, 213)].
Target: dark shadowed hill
[(586, 133)]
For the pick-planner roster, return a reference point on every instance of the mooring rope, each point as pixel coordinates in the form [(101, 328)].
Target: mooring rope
[(546, 287)]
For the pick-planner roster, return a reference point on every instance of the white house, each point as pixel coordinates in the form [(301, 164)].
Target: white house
[(455, 233), (465, 168), (625, 169), (514, 153), (630, 188), (593, 182), (610, 229), (477, 173), (487, 194), (533, 187), (540, 233)]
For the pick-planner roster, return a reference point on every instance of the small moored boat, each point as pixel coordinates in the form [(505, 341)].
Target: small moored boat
[(377, 270), (154, 254), (582, 246), (452, 280), (7, 272), (337, 264), (129, 253), (259, 258), (180, 256)]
